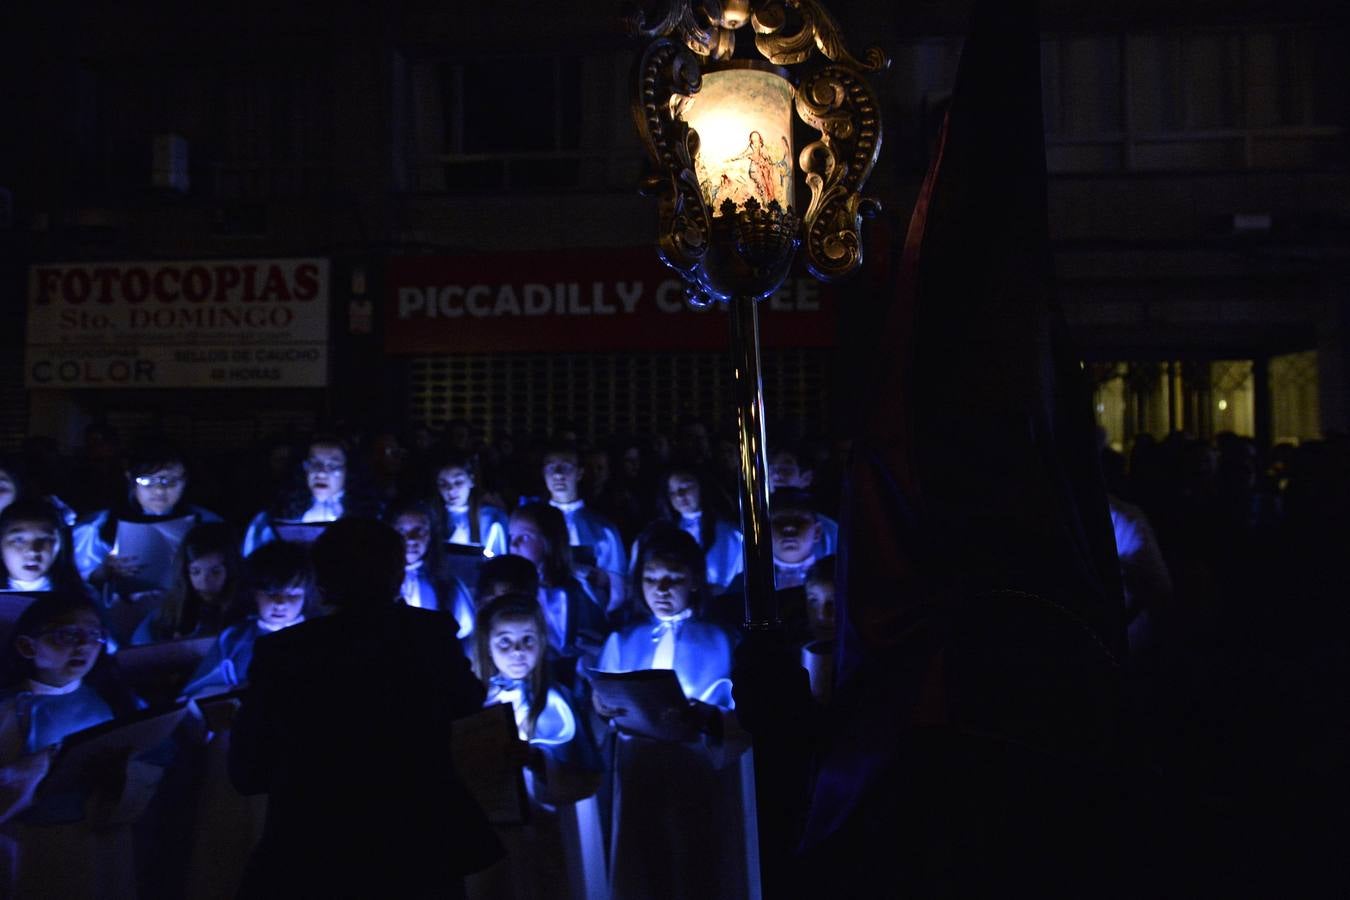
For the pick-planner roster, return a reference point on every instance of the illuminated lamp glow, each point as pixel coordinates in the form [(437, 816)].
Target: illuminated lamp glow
[(743, 116)]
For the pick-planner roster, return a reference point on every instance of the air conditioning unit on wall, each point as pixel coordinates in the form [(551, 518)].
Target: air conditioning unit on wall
[(1252, 223)]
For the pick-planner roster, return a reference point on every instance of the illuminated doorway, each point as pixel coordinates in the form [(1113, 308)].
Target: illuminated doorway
[(1200, 398)]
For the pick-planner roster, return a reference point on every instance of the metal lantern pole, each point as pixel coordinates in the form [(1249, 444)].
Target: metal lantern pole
[(718, 129), (761, 606), (772, 770)]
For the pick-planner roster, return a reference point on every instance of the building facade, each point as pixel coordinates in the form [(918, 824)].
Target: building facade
[(466, 177)]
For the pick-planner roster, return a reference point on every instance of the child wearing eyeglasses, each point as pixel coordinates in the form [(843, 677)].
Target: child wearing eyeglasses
[(57, 681), (326, 485), (469, 520), (278, 591), (157, 478), (35, 548), (427, 582)]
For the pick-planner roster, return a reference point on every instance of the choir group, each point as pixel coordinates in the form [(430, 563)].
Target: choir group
[(548, 593)]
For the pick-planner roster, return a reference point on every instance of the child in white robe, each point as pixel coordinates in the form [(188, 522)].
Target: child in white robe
[(36, 549), (681, 826), (207, 575), (469, 520), (561, 844), (427, 582), (157, 482), (278, 592), (56, 682), (328, 485)]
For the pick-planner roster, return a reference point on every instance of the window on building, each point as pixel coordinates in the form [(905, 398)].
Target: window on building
[(276, 131), (1270, 97), (508, 124), (1295, 407)]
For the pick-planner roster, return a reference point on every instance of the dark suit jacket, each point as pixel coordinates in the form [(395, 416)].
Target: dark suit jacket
[(346, 726)]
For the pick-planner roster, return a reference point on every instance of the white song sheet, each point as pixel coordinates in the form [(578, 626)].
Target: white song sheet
[(153, 545)]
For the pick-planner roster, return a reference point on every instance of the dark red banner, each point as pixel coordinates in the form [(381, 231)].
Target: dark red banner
[(577, 300)]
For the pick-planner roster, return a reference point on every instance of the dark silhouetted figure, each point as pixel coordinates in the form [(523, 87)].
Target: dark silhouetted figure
[(347, 728)]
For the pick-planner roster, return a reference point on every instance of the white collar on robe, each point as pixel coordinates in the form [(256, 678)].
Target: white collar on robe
[(411, 589), (790, 575), (795, 567), (38, 687), (320, 509), (567, 508), (692, 525), (457, 509), (669, 622), (515, 696), (663, 636), (41, 584)]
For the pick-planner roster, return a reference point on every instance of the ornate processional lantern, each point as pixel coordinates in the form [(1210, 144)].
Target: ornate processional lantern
[(718, 130)]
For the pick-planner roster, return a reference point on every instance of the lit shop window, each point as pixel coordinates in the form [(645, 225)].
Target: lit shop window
[(1295, 414), (1200, 398), (1203, 398)]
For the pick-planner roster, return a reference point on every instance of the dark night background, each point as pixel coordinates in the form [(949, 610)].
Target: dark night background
[(1199, 204)]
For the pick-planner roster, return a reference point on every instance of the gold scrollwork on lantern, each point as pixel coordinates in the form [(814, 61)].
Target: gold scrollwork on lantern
[(818, 31), (708, 30), (835, 99), (840, 105), (667, 70)]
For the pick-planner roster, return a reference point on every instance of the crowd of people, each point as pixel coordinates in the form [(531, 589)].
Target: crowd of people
[(1211, 533), (553, 561), (553, 564), (1231, 562)]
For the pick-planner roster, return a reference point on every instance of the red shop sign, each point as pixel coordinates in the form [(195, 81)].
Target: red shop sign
[(577, 300)]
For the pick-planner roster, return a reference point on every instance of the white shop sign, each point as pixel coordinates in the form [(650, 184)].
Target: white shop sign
[(174, 324)]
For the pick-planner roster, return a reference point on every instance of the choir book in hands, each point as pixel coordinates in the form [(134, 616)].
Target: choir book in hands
[(653, 703)]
